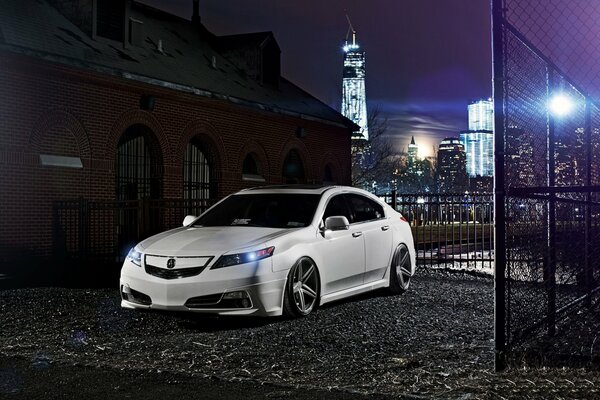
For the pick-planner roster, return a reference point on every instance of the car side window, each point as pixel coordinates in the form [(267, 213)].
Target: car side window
[(364, 209), (337, 206)]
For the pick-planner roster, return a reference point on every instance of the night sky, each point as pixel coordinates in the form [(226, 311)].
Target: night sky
[(425, 58)]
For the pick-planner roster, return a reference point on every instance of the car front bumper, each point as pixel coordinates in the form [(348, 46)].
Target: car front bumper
[(263, 286)]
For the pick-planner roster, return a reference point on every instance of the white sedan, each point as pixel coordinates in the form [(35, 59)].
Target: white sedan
[(278, 250)]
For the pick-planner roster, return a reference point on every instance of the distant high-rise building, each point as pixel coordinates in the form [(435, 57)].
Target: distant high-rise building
[(478, 141), (354, 98), (481, 115), (451, 166), (413, 151)]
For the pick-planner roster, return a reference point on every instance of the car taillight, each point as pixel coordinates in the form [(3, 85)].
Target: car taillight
[(403, 219)]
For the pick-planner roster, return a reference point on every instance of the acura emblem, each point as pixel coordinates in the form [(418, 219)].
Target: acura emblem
[(171, 263)]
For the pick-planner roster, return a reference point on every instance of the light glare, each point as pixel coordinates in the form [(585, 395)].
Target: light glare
[(561, 105)]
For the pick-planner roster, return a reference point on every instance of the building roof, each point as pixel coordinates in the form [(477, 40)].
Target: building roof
[(191, 59), (242, 40)]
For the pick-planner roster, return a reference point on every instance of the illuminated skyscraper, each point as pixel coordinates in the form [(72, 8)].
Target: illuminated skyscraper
[(481, 115), (354, 98), (478, 141), (413, 151), (451, 166)]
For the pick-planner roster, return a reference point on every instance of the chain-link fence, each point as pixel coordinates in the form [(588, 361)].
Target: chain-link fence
[(547, 180)]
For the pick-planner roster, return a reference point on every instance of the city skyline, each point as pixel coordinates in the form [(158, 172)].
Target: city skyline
[(417, 78)]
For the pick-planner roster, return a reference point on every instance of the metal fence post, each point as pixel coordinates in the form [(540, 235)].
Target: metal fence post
[(550, 273), (498, 52), (394, 200), (83, 228), (58, 240), (589, 274)]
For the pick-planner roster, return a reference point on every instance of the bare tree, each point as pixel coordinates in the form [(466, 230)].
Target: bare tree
[(372, 159)]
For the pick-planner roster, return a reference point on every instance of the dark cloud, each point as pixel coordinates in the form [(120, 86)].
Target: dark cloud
[(428, 122)]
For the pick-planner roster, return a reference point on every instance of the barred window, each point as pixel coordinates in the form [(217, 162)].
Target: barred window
[(138, 169), (197, 172)]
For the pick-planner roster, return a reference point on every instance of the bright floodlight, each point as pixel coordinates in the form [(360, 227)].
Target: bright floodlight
[(561, 105)]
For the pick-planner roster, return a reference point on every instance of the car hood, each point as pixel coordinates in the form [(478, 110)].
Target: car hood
[(210, 241)]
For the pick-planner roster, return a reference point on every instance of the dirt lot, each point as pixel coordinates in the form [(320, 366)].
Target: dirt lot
[(433, 342)]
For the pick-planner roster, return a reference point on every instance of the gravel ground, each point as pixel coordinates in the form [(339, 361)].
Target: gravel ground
[(433, 342)]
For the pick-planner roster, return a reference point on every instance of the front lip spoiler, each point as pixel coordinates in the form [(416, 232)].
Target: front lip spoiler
[(214, 311)]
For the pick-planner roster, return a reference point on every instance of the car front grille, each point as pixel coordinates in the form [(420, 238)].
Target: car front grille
[(173, 273), (161, 267)]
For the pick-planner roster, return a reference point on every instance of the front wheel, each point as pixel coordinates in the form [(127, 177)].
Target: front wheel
[(302, 289), (401, 270)]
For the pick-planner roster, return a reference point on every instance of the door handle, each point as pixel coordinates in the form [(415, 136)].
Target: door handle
[(385, 227), (357, 234)]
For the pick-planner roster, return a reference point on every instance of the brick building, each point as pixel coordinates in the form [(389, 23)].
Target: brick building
[(111, 101)]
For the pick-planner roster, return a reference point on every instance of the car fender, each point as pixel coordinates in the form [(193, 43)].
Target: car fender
[(289, 248)]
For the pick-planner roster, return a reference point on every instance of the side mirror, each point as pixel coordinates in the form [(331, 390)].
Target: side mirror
[(337, 223), (189, 219)]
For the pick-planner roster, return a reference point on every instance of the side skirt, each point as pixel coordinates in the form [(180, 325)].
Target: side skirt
[(353, 291)]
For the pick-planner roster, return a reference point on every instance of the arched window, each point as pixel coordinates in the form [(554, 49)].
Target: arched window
[(139, 175), (328, 175), (138, 167), (293, 169), (251, 170), (198, 182)]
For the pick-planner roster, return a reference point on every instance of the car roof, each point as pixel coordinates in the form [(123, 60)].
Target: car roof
[(305, 189), (308, 189)]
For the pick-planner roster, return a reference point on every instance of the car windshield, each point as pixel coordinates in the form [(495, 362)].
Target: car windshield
[(280, 210)]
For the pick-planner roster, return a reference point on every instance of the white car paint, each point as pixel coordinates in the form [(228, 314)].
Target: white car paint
[(349, 262)]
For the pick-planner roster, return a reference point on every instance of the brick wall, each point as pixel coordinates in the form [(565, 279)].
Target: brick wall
[(47, 108)]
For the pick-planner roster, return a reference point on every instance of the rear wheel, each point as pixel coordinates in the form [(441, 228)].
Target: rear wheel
[(401, 270), (302, 289)]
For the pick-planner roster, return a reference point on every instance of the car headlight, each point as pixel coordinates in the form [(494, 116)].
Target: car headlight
[(135, 256), (243, 258)]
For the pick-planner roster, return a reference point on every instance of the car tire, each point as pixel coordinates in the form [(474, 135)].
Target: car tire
[(400, 270), (302, 289)]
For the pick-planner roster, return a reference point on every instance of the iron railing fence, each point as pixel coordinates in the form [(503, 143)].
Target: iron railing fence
[(450, 230), (547, 167), (106, 230)]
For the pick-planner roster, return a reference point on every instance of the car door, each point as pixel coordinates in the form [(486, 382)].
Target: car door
[(342, 252), (368, 217)]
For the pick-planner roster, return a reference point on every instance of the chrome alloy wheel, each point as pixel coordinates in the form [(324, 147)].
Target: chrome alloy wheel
[(401, 270), (302, 288)]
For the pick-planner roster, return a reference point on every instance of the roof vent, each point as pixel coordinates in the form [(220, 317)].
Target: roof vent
[(213, 62), (159, 46)]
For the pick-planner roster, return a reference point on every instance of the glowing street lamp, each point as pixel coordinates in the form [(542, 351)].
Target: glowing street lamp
[(560, 105)]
